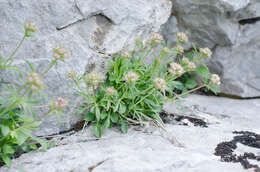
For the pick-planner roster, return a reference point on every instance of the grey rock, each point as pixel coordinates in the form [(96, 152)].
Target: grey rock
[(231, 30), (142, 151), (90, 30)]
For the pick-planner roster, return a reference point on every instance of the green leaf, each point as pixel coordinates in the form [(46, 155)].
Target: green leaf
[(22, 136), (5, 130), (176, 84), (114, 117), (215, 89), (96, 129), (103, 115), (7, 160), (89, 117), (191, 83), (43, 143), (203, 71), (7, 149), (30, 65), (122, 108), (98, 116), (124, 127), (107, 122)]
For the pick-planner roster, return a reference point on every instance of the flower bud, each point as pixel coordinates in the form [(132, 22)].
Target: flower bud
[(215, 79), (126, 55), (160, 84), (176, 69), (206, 52), (60, 53), (71, 74), (182, 37), (111, 91), (30, 27), (35, 81), (131, 77), (93, 79), (190, 65), (60, 103)]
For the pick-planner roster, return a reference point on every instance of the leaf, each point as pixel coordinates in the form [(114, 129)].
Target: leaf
[(30, 65), (203, 71), (96, 129), (103, 115), (124, 127), (22, 136), (215, 89), (89, 117), (191, 83), (98, 116), (7, 149), (114, 117), (6, 159), (107, 122), (5, 130), (43, 143), (122, 108), (177, 84)]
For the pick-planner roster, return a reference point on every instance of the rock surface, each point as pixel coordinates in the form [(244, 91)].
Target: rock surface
[(149, 151), (231, 30), (90, 30)]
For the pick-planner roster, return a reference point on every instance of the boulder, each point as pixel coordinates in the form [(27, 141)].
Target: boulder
[(90, 30), (231, 30)]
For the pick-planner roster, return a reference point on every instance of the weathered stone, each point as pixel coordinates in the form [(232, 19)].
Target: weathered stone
[(90, 30), (231, 29), (149, 152)]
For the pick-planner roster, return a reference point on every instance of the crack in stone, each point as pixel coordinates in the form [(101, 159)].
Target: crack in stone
[(249, 21)]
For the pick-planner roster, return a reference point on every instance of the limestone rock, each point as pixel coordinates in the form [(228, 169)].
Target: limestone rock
[(90, 30)]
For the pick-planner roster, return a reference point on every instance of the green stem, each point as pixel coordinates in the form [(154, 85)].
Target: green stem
[(53, 62), (12, 55), (190, 91)]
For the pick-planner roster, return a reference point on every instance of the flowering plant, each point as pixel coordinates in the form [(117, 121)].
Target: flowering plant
[(17, 116), (134, 93)]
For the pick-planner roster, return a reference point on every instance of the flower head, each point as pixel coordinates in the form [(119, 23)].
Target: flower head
[(215, 79), (156, 38), (60, 53), (131, 77), (60, 103), (160, 84), (206, 52), (190, 65), (30, 27), (126, 55), (111, 91), (179, 49), (35, 81), (165, 50), (182, 37), (93, 78), (72, 74), (176, 69)]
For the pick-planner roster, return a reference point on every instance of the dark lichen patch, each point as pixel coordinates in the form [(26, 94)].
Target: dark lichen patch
[(181, 120), (226, 149)]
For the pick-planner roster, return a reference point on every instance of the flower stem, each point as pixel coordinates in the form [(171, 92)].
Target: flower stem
[(12, 55), (53, 62)]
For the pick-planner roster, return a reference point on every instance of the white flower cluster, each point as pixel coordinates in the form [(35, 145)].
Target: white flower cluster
[(35, 81), (160, 84), (60, 53), (179, 49), (191, 65), (93, 79), (72, 74), (156, 38), (131, 77), (175, 69), (29, 26), (60, 103), (215, 79), (206, 52), (111, 91), (182, 37)]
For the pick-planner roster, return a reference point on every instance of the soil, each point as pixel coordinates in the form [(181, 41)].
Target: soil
[(180, 119), (226, 149)]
